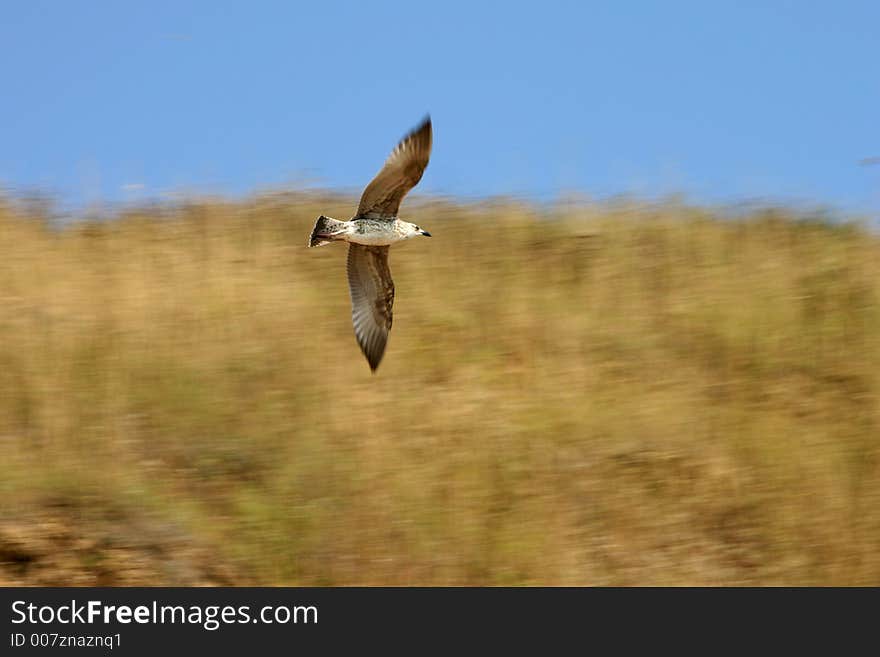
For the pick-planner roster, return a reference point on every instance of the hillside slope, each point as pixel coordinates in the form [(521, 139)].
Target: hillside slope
[(587, 395)]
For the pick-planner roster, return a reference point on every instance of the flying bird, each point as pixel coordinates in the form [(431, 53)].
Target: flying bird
[(370, 233)]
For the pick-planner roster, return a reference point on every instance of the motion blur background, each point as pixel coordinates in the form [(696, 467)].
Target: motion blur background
[(643, 346)]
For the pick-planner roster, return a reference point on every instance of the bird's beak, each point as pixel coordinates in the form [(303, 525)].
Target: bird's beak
[(426, 233)]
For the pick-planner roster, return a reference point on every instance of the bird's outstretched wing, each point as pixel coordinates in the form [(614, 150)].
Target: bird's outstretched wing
[(402, 171), (372, 296)]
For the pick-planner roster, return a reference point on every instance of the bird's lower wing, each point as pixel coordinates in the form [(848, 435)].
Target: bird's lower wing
[(372, 297)]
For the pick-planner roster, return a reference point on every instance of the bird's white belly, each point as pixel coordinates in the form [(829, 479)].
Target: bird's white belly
[(381, 239)]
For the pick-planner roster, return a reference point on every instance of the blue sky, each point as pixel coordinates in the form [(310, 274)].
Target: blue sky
[(721, 101)]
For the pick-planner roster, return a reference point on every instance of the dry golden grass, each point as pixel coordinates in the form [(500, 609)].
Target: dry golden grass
[(631, 395)]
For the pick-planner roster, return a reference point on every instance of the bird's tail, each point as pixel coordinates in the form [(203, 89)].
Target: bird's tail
[(325, 231)]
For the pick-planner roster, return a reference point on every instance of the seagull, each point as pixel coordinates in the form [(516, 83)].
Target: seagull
[(372, 230)]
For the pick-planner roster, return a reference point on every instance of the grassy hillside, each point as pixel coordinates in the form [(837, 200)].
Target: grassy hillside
[(641, 395)]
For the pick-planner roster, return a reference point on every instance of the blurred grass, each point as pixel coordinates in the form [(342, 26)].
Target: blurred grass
[(621, 395)]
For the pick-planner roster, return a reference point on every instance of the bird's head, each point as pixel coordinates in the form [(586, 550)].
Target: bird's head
[(414, 231)]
